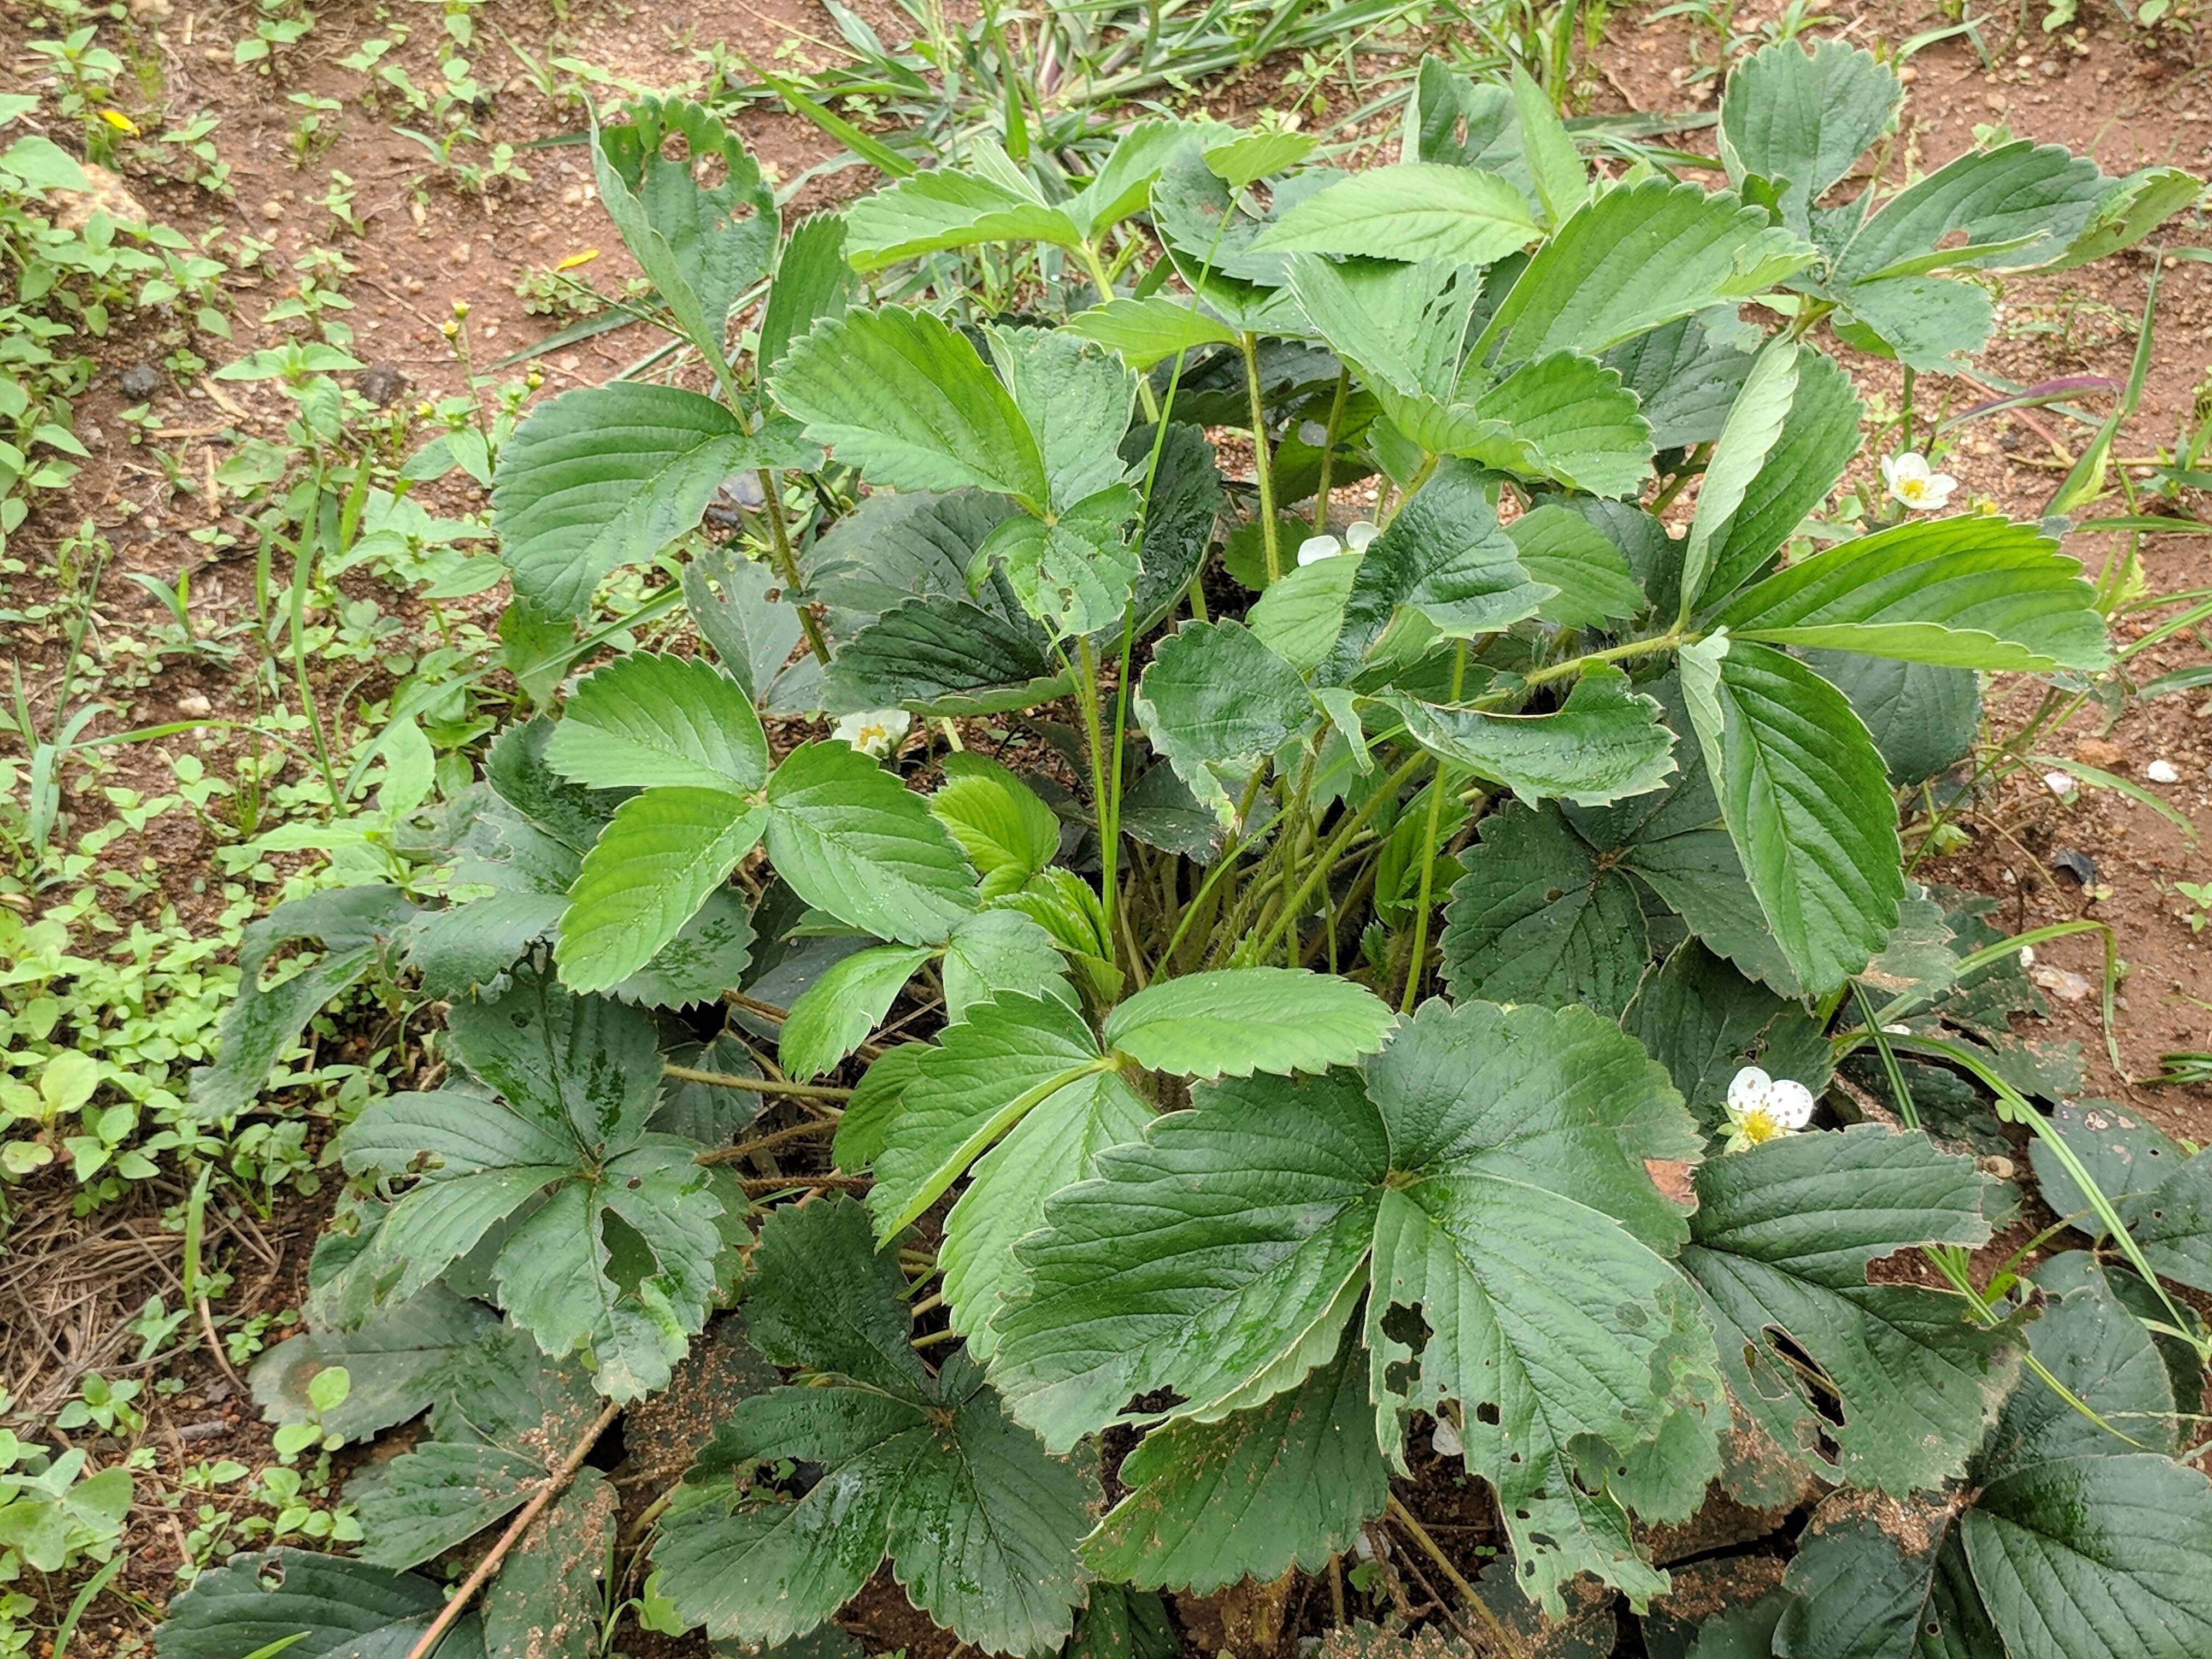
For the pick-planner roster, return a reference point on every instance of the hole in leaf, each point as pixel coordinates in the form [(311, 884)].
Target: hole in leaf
[(630, 1261), (1486, 1412)]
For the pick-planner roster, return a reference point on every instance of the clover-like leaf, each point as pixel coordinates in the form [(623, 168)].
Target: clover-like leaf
[(1485, 1188), (1289, 1483), (616, 1240), (1784, 1236), (978, 1523)]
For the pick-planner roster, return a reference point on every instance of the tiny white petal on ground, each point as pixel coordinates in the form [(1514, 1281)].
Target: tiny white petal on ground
[(2162, 771)]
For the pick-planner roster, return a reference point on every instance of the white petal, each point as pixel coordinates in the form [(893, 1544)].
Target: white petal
[(1358, 533), (1314, 548), (2162, 771), (2059, 783), (1791, 1102), (1445, 1439), (1748, 1089), (1911, 464)]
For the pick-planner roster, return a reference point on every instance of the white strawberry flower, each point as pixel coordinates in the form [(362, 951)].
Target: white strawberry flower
[(1911, 481), (1762, 1109), (1357, 535), (876, 732)]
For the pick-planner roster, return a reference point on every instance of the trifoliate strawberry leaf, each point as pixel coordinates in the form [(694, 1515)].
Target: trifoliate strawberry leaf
[(978, 1523), (607, 476), (308, 1604), (1806, 798), (1635, 259), (1216, 702), (1415, 210), (1242, 1020), (1538, 917), (549, 1600), (1971, 593), (903, 396), (618, 1242), (1288, 1484), (1604, 744), (1488, 1187), (1005, 831), (852, 840), (1785, 1234), (1445, 556), (650, 721)]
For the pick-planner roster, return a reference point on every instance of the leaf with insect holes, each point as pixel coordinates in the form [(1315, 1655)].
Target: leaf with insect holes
[(1289, 1483), (701, 245), (607, 476), (309, 1604), (1485, 1188), (903, 397), (624, 1252), (2068, 1538), (1801, 119), (1785, 1234), (2161, 1194), (978, 1522)]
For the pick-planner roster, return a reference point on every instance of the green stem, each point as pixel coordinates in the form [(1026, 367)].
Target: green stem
[(787, 565), (1263, 466), (1094, 732), (1672, 640), (1329, 452), (1352, 825), (1429, 854), (1103, 280)]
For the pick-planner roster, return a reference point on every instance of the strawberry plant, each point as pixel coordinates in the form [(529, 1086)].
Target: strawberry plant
[(1442, 990)]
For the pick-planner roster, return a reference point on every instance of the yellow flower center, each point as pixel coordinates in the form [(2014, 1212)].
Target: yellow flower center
[(1759, 1126), (1913, 490)]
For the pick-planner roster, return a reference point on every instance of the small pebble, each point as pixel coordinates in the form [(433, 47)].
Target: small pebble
[(139, 382), (2062, 982), (194, 707), (2162, 771), (272, 209)]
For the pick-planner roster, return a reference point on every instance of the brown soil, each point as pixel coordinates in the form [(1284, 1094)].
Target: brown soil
[(2127, 99)]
